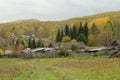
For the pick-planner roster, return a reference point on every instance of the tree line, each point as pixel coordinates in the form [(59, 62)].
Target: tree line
[(69, 33), (32, 43), (92, 36), (27, 43)]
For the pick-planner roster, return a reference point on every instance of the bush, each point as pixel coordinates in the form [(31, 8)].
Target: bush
[(66, 39), (63, 53), (100, 53), (74, 47), (73, 41)]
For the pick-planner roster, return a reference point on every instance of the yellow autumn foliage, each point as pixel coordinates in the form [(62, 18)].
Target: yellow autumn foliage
[(66, 39), (73, 41), (1, 52), (93, 40), (99, 21), (90, 40), (8, 35)]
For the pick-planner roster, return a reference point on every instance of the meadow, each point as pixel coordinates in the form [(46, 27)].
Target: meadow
[(79, 68)]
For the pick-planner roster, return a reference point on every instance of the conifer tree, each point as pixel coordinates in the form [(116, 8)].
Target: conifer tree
[(33, 44), (74, 32), (81, 29), (70, 33), (40, 43), (29, 44), (58, 37), (86, 30), (67, 30), (61, 35), (94, 30), (82, 38), (93, 38)]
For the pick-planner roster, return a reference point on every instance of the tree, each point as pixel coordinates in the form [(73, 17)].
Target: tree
[(61, 35), (82, 38), (109, 33), (86, 30), (94, 30), (25, 43), (29, 44), (9, 37), (81, 29), (40, 43), (66, 39), (74, 33), (70, 33), (93, 38), (67, 30), (73, 41), (33, 44), (58, 37)]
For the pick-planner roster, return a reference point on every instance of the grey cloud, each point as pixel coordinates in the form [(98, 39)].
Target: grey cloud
[(53, 9)]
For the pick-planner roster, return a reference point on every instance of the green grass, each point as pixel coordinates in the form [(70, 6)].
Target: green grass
[(60, 69)]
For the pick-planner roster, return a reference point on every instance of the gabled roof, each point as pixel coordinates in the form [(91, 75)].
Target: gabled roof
[(116, 42)]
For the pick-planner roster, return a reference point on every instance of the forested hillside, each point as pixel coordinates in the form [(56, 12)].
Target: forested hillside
[(106, 25)]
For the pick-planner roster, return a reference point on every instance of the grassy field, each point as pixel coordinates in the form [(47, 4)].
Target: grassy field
[(60, 69)]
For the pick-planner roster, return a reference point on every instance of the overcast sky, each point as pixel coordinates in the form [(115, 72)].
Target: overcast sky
[(53, 9)]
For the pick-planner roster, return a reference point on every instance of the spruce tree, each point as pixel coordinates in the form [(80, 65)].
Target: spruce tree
[(29, 44), (70, 33), (94, 30), (74, 32), (86, 30), (67, 30), (58, 37), (33, 44), (81, 29), (40, 43), (82, 38), (61, 35)]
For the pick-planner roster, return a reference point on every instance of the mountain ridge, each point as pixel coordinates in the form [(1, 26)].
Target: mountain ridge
[(98, 15)]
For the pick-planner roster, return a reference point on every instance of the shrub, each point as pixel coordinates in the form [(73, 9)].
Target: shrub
[(73, 41), (66, 39), (63, 53), (74, 47), (100, 53)]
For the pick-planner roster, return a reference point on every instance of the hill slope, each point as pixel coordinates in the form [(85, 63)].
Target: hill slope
[(45, 29)]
